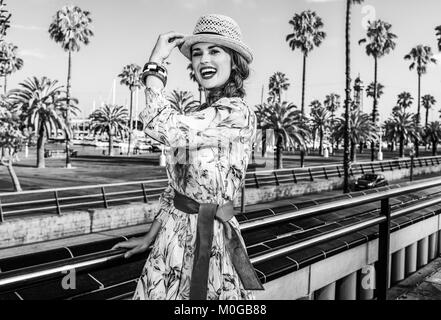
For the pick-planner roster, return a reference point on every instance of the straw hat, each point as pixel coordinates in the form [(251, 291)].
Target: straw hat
[(218, 29)]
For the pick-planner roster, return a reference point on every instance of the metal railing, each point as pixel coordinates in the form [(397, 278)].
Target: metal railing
[(58, 200), (13, 280)]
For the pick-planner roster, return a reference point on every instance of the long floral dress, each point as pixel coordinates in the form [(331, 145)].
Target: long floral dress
[(207, 159)]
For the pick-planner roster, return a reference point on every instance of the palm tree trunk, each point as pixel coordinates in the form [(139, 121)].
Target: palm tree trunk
[(332, 129), (6, 84), (427, 116), (417, 152), (69, 67), (401, 146), (374, 108), (279, 159), (110, 144), (347, 98), (303, 84), (321, 143), (302, 152), (130, 121), (13, 175), (41, 163), (352, 151)]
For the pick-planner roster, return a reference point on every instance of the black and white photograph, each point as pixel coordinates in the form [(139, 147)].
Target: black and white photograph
[(208, 150)]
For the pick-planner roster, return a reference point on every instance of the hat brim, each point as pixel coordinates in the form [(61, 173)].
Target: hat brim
[(237, 46)]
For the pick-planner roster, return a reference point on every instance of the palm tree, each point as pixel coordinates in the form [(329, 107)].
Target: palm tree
[(313, 105), (428, 101), (110, 120), (362, 130), (42, 104), (5, 17), (346, 133), (421, 56), (404, 100), (131, 77), (286, 121), (371, 90), (332, 103), (390, 133), (278, 82), (380, 41), (403, 127), (438, 34), (70, 27), (11, 139), (193, 78), (306, 36), (432, 135), (183, 101), (9, 61), (320, 119)]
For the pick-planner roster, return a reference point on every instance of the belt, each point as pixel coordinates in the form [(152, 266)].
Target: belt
[(207, 212)]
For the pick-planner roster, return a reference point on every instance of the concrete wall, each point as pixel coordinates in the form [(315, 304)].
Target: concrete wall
[(272, 193), (19, 231), (304, 282)]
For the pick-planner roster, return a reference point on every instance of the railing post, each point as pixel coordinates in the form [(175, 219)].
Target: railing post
[(437, 160), (276, 178), (104, 197), (398, 162), (255, 179), (391, 166), (381, 166), (242, 199), (427, 163), (146, 200), (310, 174), (383, 251), (351, 172), (1, 212), (421, 164), (372, 168), (406, 163), (294, 176), (338, 171), (361, 167), (57, 202), (324, 171)]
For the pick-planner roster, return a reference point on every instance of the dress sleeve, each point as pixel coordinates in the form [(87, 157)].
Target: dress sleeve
[(227, 120), (165, 202)]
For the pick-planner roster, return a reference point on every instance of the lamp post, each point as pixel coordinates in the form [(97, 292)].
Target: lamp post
[(380, 152), (411, 154)]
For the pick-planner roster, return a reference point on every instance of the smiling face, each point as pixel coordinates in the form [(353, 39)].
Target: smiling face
[(211, 64)]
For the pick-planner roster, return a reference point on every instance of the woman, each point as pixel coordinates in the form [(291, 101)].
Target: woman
[(198, 252)]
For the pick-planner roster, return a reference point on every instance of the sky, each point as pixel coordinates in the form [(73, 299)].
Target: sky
[(126, 31)]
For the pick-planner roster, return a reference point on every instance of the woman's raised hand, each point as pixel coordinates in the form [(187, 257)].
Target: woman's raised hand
[(165, 45), (134, 245)]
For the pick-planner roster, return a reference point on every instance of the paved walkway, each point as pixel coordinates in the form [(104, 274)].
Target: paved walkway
[(425, 284)]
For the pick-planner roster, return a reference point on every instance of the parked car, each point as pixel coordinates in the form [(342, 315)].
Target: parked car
[(370, 181)]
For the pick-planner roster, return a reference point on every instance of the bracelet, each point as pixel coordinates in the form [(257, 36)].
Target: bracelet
[(154, 69)]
